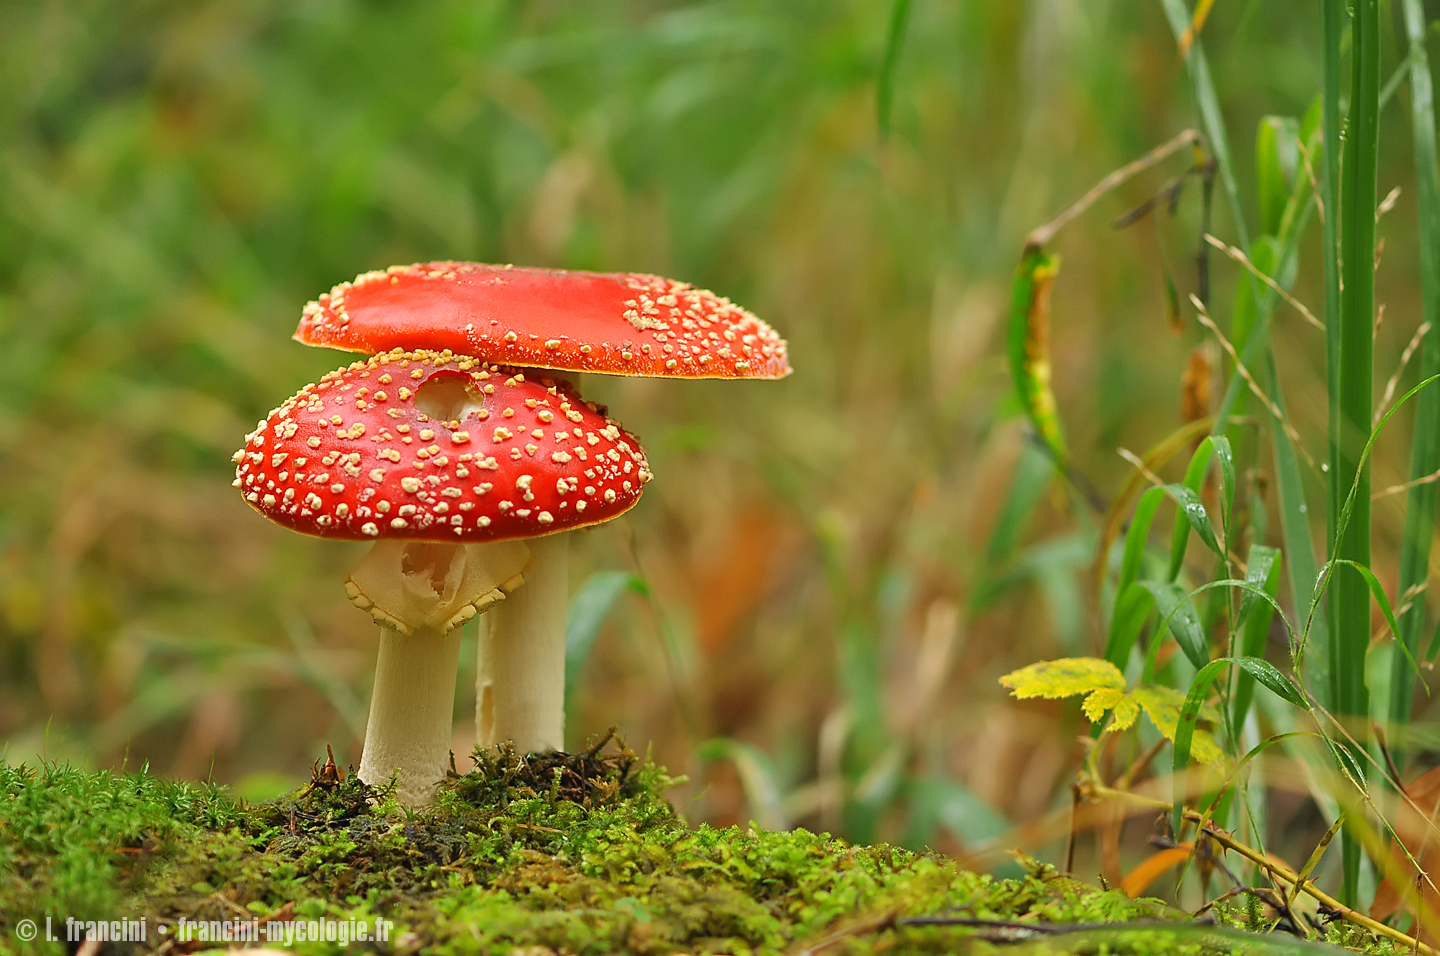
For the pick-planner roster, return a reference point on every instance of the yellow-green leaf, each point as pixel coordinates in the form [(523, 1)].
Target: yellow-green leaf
[(1162, 705), (1126, 710), (1101, 700), (1065, 677), (1111, 698)]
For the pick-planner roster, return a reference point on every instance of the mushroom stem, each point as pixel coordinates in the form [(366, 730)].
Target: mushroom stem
[(411, 709), (520, 677), (420, 593)]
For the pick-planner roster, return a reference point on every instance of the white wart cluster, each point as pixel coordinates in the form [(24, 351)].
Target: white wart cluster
[(353, 456)]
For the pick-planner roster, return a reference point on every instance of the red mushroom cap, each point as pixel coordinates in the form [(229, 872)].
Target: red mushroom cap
[(614, 323), (354, 457)]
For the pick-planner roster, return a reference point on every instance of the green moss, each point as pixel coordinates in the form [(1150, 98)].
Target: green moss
[(576, 853)]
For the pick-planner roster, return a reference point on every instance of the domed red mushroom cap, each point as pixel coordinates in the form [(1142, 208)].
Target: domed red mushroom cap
[(614, 323), (356, 456)]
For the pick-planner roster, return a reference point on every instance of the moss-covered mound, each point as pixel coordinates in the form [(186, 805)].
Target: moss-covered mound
[(576, 853)]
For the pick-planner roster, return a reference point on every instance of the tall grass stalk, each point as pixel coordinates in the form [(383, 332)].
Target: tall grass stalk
[(1425, 449), (1299, 562), (1333, 13), (1350, 381)]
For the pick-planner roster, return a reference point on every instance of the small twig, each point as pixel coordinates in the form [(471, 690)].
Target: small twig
[(1314, 860), (1394, 382), (1261, 893), (1284, 873), (1075, 799), (1077, 478), (863, 928), (1141, 467), (1045, 233), (1209, 323), (1015, 931), (1384, 746), (536, 826), (1203, 847), (1413, 483), (236, 907), (1244, 260), (1310, 175), (1402, 603), (595, 748), (1170, 192), (1388, 203), (1265, 895), (1126, 779), (1276, 869)]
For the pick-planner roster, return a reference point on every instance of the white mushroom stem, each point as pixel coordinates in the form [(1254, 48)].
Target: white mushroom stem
[(411, 712), (420, 593), (520, 673)]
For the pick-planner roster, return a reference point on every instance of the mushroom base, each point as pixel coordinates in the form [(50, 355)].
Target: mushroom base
[(411, 709)]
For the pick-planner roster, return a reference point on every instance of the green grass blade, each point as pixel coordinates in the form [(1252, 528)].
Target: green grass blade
[(1252, 667), (1178, 615), (1132, 607), (1351, 381), (1333, 16), (1192, 515), (757, 778), (587, 612), (1185, 733), (1347, 508), (1377, 591), (1276, 159), (1226, 459), (885, 85), (1262, 571), (1260, 568), (1253, 348), (1194, 478), (1132, 603), (1137, 535), (1032, 476), (1251, 590), (1269, 677), (1299, 549), (1425, 448), (954, 807)]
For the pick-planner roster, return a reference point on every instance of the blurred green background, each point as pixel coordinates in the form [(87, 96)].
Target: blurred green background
[(839, 565)]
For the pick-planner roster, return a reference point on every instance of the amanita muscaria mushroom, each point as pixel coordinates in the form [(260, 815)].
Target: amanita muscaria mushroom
[(609, 323), (448, 464)]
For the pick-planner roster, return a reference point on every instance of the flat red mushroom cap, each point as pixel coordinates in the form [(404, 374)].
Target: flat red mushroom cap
[(355, 456), (613, 323)]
